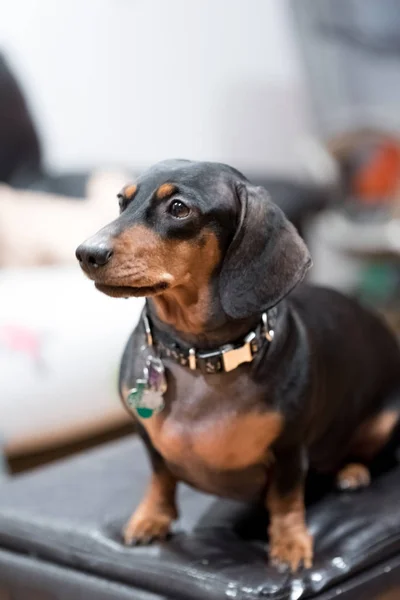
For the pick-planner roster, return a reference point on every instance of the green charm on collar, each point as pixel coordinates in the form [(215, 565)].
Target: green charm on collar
[(135, 399), (144, 401), (147, 397)]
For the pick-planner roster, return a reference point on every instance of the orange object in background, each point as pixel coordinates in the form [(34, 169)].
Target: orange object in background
[(378, 179)]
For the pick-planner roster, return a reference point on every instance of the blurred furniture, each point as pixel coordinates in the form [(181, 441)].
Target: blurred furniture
[(60, 347), (60, 539), (356, 243)]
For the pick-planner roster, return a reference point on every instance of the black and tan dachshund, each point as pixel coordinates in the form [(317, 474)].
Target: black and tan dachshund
[(264, 380)]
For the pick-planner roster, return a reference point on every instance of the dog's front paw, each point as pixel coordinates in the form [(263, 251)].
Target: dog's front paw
[(291, 548), (146, 527)]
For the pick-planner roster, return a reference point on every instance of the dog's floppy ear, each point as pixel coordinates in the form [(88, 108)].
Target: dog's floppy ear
[(266, 259)]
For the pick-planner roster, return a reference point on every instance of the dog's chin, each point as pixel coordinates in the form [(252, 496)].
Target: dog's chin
[(122, 291)]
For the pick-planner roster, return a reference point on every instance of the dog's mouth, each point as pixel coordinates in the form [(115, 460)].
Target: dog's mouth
[(123, 291)]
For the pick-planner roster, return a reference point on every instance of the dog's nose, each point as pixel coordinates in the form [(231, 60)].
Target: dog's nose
[(93, 256)]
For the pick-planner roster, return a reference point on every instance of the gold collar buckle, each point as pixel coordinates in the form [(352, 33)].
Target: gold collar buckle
[(233, 357)]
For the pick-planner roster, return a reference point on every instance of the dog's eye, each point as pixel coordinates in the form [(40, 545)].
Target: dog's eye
[(178, 209), (121, 202)]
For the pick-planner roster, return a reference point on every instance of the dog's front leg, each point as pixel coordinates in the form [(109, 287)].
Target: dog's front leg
[(289, 540), (153, 517)]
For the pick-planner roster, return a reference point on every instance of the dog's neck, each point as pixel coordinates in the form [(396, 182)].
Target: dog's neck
[(190, 321), (184, 308)]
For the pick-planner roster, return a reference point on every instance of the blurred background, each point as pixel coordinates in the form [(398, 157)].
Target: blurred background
[(302, 96)]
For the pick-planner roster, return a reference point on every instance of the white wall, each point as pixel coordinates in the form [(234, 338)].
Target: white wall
[(134, 81)]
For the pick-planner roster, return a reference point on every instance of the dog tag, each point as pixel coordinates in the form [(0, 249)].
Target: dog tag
[(146, 398), (156, 374), (135, 399)]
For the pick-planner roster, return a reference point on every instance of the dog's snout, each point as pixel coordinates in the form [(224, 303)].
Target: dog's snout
[(93, 256)]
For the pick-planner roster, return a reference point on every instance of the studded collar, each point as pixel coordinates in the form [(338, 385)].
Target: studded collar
[(222, 359)]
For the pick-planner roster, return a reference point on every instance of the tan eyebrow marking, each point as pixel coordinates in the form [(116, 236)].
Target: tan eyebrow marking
[(165, 190), (129, 191)]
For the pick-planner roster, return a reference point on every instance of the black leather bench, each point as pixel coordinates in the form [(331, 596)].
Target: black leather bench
[(60, 539)]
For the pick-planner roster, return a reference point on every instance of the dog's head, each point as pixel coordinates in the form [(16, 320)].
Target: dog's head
[(184, 222)]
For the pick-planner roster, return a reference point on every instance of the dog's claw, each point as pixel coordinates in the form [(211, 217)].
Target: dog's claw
[(137, 541), (129, 540), (353, 477), (147, 539), (144, 529), (281, 567), (292, 552), (343, 485)]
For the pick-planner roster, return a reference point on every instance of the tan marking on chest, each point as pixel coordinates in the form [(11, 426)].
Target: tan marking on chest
[(227, 443)]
